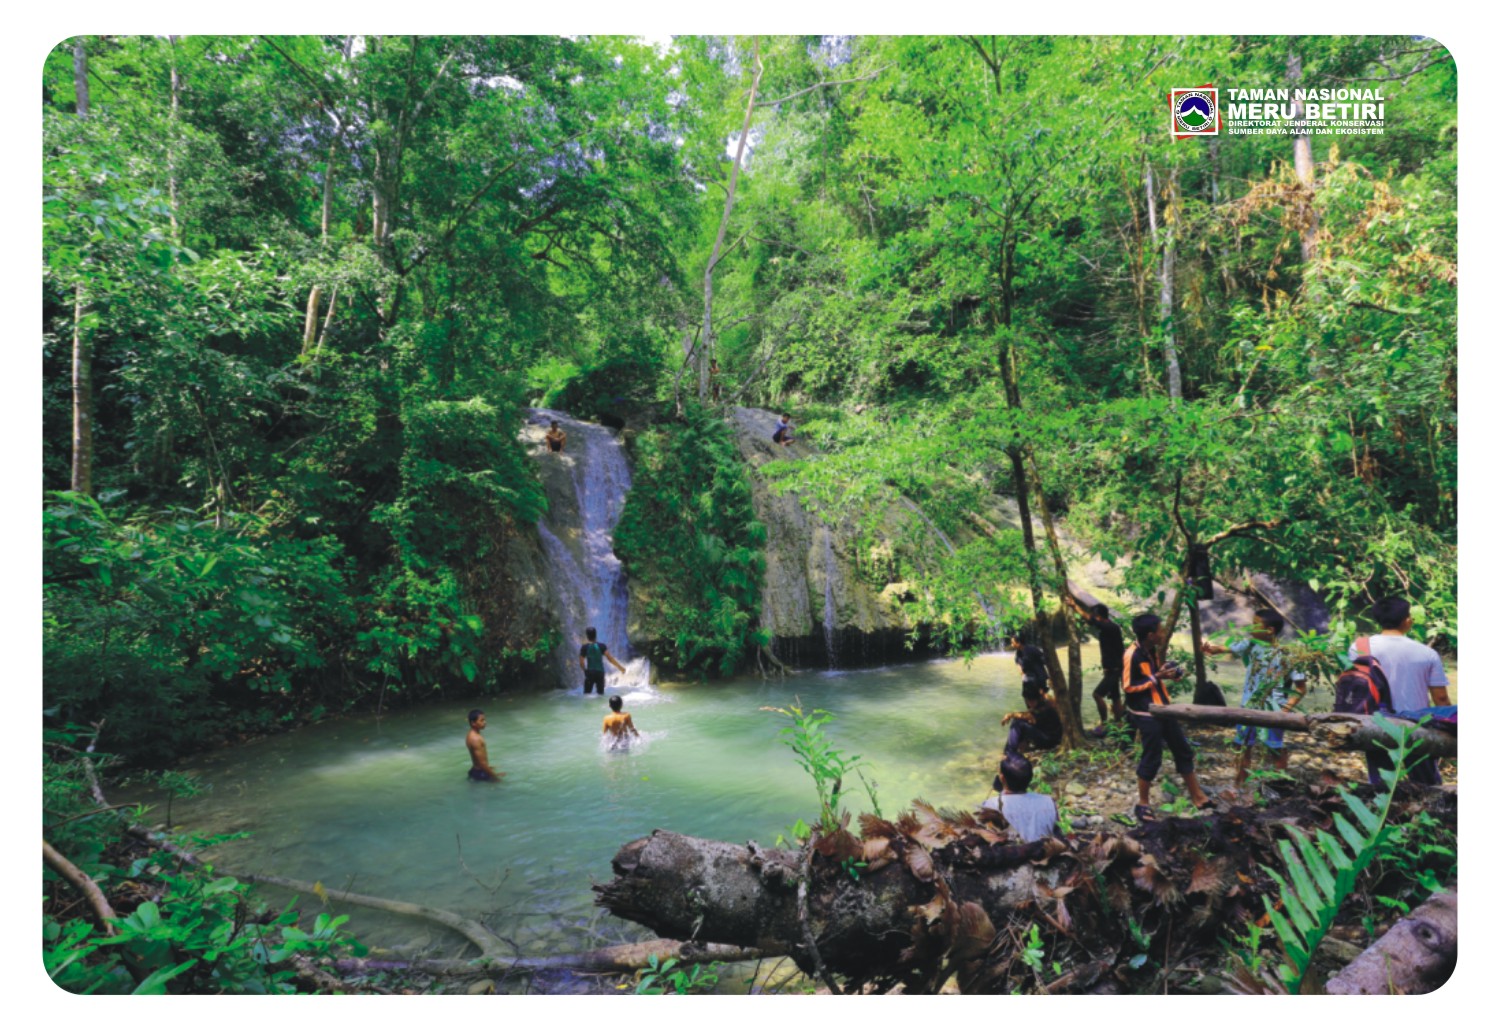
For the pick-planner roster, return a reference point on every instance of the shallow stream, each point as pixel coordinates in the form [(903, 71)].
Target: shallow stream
[(384, 807)]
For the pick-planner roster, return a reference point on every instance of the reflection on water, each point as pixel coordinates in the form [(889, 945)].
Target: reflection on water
[(384, 806)]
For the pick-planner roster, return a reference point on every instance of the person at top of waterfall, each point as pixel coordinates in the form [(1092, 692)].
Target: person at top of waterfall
[(556, 438), (1145, 685), (713, 378), (1032, 816), (1265, 673), (591, 658), (783, 434), (480, 769), (1111, 660), (1033, 666), (618, 723), (1039, 725)]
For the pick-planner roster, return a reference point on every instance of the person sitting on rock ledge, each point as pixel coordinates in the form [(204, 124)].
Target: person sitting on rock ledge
[(556, 438), (783, 434), (1032, 816)]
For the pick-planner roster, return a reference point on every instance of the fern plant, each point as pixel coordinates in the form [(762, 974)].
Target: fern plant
[(1321, 871)]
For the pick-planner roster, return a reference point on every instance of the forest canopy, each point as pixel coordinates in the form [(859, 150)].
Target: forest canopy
[(299, 291)]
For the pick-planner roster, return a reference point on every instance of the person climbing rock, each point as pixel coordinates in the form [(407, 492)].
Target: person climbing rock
[(556, 438), (617, 724), (1145, 685), (480, 769), (1032, 816), (1265, 674), (591, 658)]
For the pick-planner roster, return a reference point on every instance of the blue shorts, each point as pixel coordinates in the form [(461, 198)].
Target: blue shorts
[(480, 776), (1244, 736)]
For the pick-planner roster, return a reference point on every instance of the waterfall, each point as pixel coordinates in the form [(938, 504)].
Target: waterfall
[(830, 613), (586, 486)]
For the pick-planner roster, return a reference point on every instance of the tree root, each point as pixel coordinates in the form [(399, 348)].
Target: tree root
[(84, 884)]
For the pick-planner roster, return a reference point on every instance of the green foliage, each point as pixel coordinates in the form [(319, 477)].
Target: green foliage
[(202, 933), (1321, 871), (821, 759), (691, 545), (671, 977)]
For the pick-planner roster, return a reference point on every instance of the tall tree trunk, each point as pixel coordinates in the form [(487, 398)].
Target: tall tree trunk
[(1302, 158), (172, 147), (706, 343), (82, 480), (1165, 239), (1066, 688), (80, 77)]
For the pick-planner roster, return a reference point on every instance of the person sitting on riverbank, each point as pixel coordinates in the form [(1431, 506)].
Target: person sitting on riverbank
[(783, 434), (591, 658), (1032, 816), (1033, 665), (1040, 725), (557, 438), (1265, 673), (479, 756), (1145, 685), (617, 724)]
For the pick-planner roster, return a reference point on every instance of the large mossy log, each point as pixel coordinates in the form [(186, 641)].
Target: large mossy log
[(1337, 730), (945, 895)]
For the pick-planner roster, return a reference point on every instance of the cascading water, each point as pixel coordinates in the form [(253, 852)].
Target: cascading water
[(830, 611), (586, 485)]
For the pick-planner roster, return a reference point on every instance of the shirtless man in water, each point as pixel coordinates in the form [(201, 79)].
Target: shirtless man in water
[(478, 753), (618, 723)]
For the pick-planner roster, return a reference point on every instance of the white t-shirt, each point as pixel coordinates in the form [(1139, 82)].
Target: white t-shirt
[(1411, 668), (1032, 816)]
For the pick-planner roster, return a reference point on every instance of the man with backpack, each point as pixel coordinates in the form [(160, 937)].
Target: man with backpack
[(1265, 688), (591, 658), (1413, 677)]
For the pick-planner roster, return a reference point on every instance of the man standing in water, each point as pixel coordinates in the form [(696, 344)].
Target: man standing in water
[(591, 658), (617, 724), (480, 771)]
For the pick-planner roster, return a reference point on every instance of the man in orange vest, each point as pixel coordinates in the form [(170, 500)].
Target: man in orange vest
[(1145, 684)]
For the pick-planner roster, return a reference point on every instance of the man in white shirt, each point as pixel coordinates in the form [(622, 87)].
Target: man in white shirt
[(1414, 670), (1032, 816)]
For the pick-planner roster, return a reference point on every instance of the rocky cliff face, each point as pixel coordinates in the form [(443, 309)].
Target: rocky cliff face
[(817, 604)]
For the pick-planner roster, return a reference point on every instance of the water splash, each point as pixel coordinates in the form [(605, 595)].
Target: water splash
[(586, 487)]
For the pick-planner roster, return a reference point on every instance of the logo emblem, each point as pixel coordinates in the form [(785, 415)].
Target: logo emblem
[(1195, 112)]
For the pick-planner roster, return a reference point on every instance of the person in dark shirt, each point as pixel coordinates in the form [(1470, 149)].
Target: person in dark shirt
[(1145, 685), (1039, 725), (591, 658), (1033, 666), (1111, 658)]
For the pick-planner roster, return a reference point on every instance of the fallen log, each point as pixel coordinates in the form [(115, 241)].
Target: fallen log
[(945, 895), (1416, 956), (618, 958), (1335, 730), (82, 883)]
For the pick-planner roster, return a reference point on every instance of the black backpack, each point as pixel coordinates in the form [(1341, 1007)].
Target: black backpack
[(1362, 689)]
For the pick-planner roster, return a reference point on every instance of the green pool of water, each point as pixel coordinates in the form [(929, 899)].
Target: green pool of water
[(384, 807)]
